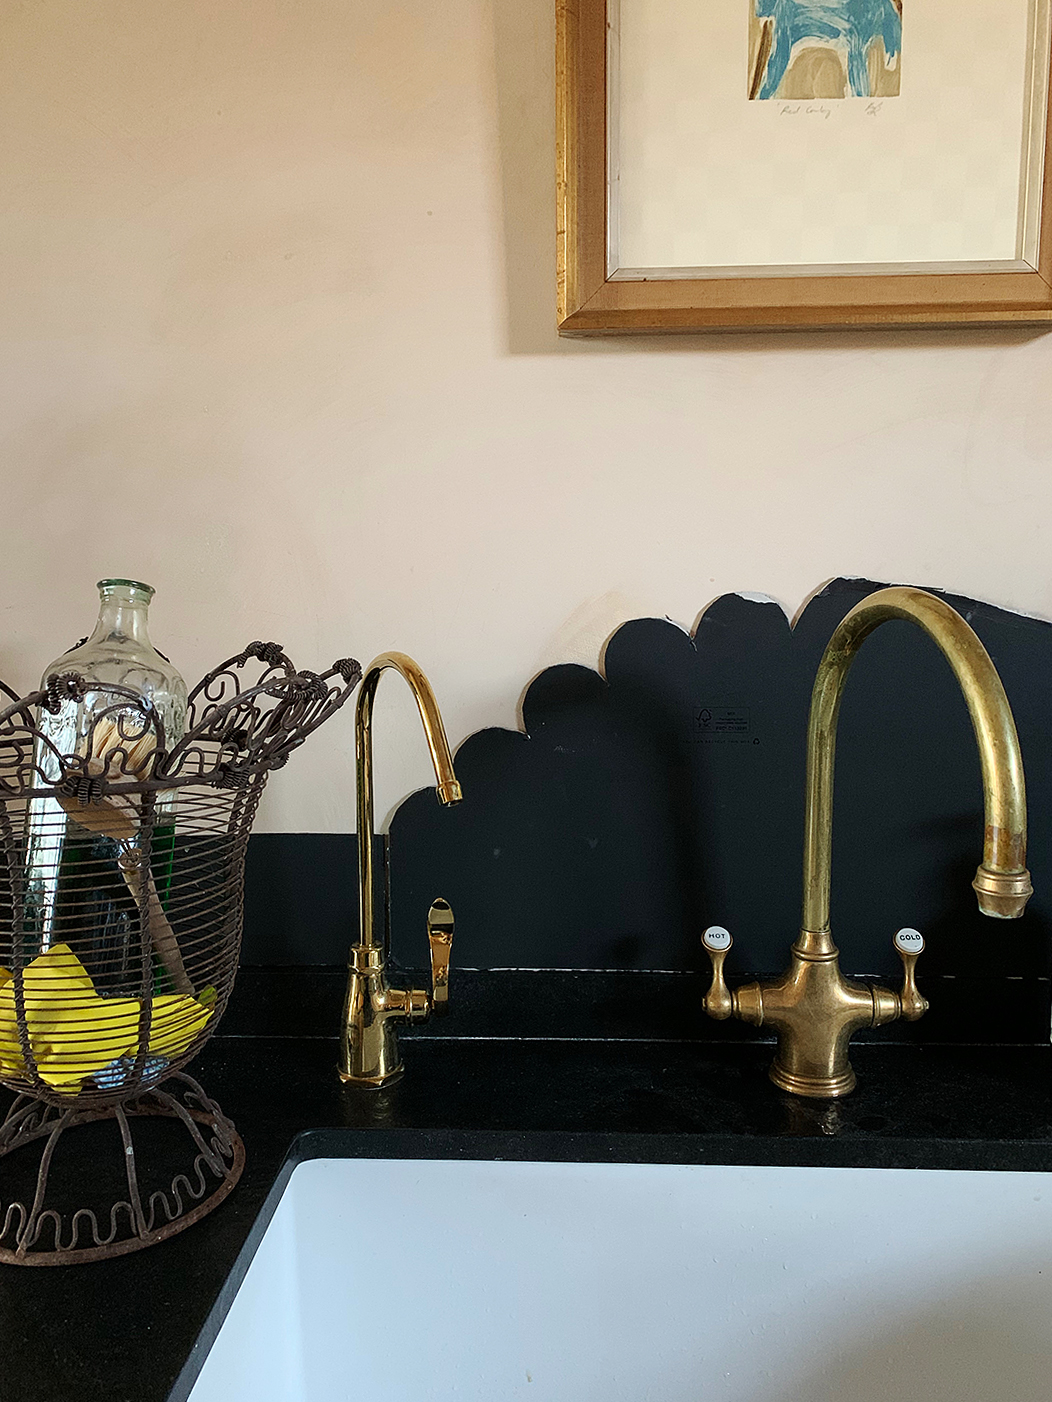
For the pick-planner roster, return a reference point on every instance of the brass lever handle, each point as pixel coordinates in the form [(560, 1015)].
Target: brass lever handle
[(719, 1001), (440, 938), (909, 945)]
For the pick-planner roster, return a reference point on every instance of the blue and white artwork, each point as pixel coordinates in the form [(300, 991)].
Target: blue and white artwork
[(806, 49)]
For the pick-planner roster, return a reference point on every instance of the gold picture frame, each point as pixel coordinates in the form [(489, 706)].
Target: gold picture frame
[(596, 295)]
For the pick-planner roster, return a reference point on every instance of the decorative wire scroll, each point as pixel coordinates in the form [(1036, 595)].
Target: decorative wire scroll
[(234, 732), (121, 885), (40, 1235)]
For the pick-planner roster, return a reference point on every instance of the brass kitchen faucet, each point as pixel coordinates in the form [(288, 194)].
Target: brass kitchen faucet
[(813, 1008)]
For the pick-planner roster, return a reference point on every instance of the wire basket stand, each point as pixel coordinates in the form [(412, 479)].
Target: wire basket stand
[(121, 884)]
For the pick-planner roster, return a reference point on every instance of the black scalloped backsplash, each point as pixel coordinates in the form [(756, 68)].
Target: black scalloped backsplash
[(639, 807)]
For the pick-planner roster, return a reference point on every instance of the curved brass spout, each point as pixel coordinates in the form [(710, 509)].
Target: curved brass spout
[(1002, 883), (368, 1044), (435, 733), (812, 1007)]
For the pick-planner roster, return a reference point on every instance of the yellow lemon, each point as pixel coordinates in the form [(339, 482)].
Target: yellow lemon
[(74, 1033), (177, 1019), (11, 1063)]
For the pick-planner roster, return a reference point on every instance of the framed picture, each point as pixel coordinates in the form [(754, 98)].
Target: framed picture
[(802, 163)]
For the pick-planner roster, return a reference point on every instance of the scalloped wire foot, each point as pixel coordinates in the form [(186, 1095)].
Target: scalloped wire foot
[(40, 1235)]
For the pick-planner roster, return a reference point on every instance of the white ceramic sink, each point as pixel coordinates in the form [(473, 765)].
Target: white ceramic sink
[(405, 1281)]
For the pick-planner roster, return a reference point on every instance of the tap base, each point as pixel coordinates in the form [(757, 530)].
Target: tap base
[(350, 1078), (369, 1054), (815, 1087)]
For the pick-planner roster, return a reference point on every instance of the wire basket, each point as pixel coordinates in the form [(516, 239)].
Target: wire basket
[(121, 883)]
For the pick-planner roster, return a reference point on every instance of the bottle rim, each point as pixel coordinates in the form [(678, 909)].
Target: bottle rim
[(104, 585)]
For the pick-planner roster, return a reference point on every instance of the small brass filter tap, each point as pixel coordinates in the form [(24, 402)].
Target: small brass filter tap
[(372, 1007)]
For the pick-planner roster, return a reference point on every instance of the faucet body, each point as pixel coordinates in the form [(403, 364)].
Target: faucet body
[(813, 1008), (372, 1006), (816, 1010)]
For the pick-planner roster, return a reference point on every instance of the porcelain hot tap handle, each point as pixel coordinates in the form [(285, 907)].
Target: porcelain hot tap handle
[(719, 1001)]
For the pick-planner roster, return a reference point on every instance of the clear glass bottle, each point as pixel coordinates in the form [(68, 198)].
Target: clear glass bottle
[(75, 890)]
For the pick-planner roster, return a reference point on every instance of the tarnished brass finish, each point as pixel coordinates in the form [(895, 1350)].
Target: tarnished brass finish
[(812, 1007), (373, 1006), (909, 945), (1002, 883), (719, 1001)]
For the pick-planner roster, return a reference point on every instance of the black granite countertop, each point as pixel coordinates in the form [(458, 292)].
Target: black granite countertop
[(136, 1329)]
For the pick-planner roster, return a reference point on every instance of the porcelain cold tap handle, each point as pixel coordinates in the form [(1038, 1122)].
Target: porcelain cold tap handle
[(719, 1001), (440, 938), (909, 945)]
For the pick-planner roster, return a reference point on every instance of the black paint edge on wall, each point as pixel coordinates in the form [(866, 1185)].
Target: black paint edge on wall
[(300, 918), (606, 1005)]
